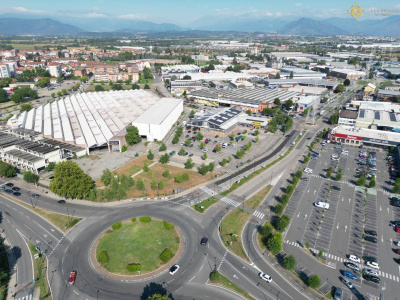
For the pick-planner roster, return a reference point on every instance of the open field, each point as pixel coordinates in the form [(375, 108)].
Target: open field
[(255, 201), (139, 243), (225, 282)]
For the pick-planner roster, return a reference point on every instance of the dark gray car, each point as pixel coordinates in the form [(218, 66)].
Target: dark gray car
[(338, 294)]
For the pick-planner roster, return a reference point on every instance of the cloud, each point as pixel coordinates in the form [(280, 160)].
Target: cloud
[(133, 16), (20, 9), (94, 15), (298, 4)]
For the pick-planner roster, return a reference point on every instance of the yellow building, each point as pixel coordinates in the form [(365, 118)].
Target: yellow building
[(370, 88)]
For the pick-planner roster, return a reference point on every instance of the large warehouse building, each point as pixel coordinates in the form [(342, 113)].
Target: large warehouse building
[(89, 120)]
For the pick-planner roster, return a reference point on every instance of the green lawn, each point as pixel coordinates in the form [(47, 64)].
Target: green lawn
[(255, 201), (362, 82), (137, 243), (205, 204), (40, 267), (225, 282), (231, 231)]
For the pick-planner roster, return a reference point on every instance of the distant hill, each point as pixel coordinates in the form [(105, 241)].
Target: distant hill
[(134, 26), (36, 26), (305, 26)]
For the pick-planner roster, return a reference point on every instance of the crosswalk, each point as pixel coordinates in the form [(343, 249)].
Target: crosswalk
[(259, 214), (230, 201), (341, 259), (29, 297), (207, 190)]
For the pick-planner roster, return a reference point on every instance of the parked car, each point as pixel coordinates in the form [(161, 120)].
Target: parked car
[(371, 239), (397, 251), (370, 258), (349, 275), (61, 201), (305, 178), (371, 278), (370, 272), (265, 277), (17, 194), (8, 191), (9, 184), (352, 266), (370, 232), (338, 294), (372, 264), (346, 282), (354, 258), (321, 204)]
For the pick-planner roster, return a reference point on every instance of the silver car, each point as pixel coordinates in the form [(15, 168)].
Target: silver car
[(347, 282)]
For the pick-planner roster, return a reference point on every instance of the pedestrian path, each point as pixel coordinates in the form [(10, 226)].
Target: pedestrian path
[(259, 214), (343, 260), (230, 201), (29, 297), (207, 190)]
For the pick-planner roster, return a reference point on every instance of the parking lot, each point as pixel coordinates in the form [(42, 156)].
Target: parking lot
[(339, 230), (266, 143)]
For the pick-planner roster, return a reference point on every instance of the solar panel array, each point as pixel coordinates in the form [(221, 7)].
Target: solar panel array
[(89, 119), (223, 117)]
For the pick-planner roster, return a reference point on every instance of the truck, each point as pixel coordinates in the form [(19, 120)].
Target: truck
[(238, 138), (322, 112)]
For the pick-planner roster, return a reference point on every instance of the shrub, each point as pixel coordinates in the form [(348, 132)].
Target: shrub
[(133, 220), (320, 253), (133, 267), (168, 226), (306, 159), (307, 245), (164, 158), (124, 148), (166, 255), (163, 147), (165, 174), (150, 155), (146, 168), (289, 262), (117, 225), (314, 282), (102, 257), (145, 219), (328, 174)]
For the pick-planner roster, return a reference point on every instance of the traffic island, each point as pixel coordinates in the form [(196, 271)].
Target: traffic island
[(137, 249)]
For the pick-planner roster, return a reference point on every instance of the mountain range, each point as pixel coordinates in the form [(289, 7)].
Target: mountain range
[(389, 26)]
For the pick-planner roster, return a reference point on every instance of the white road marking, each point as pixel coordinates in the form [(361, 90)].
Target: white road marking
[(337, 227)]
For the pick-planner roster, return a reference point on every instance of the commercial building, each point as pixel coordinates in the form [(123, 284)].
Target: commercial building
[(287, 82), (297, 73), (255, 99), (305, 102), (388, 95), (347, 117), (180, 68), (179, 86), (89, 120), (348, 73), (379, 115), (217, 75), (155, 123), (362, 136)]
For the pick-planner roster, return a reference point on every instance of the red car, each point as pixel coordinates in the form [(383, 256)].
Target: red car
[(397, 251), (72, 277), (239, 133), (363, 156), (206, 141)]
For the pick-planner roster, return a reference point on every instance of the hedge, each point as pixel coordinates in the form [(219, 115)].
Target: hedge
[(166, 255), (102, 257), (168, 226), (145, 219), (133, 267), (133, 220), (117, 225)]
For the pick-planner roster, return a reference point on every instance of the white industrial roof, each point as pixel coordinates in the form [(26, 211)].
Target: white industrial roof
[(158, 113), (91, 119)]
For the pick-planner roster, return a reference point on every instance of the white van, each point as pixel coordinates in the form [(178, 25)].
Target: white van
[(320, 204)]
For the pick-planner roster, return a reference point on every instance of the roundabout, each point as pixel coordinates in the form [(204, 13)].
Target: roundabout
[(137, 248)]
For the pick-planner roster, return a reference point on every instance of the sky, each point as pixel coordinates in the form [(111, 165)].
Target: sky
[(184, 12)]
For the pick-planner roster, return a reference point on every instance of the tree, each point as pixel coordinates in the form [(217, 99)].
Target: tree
[(274, 243), (7, 170), (59, 93), (313, 281), (150, 155), (204, 156), (3, 96), (25, 107), (202, 145), (70, 181), (163, 147), (53, 95), (164, 158), (283, 223), (182, 151), (248, 112), (140, 184), (277, 101), (362, 181), (278, 76), (50, 167), (328, 174), (17, 98), (188, 142), (372, 182), (133, 136), (102, 257), (199, 136), (289, 262), (211, 166), (289, 104), (135, 86), (192, 113), (187, 77), (346, 82), (203, 170), (146, 87), (339, 88), (278, 209), (218, 148), (338, 177), (30, 177), (189, 164), (64, 91), (371, 74), (291, 75), (43, 82), (106, 177), (99, 88), (266, 230)]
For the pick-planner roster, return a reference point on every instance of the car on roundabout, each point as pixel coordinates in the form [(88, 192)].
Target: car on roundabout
[(265, 277), (354, 258), (173, 269), (72, 277)]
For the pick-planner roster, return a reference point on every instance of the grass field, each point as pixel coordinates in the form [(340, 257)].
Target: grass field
[(255, 201), (63, 222), (137, 242), (40, 267), (205, 204), (231, 231), (225, 282), (3, 267)]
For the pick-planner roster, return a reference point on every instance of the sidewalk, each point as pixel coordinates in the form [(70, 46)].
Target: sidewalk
[(12, 265)]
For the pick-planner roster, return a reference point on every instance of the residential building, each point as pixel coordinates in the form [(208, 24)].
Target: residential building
[(4, 70), (54, 69), (347, 117)]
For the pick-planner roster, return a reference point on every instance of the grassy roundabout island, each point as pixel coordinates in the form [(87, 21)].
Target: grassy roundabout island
[(137, 246)]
